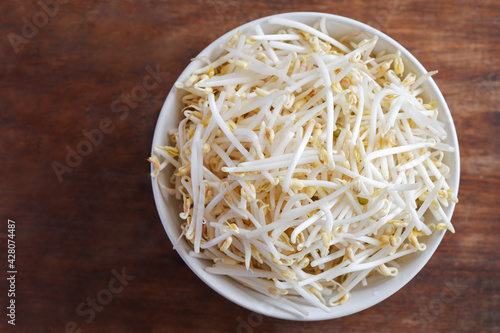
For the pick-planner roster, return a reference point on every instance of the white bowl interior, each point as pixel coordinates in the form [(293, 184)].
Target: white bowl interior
[(361, 297)]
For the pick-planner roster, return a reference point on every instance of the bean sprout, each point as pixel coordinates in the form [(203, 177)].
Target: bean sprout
[(306, 164)]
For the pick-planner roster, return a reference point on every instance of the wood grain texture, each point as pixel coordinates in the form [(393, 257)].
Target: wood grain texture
[(102, 217)]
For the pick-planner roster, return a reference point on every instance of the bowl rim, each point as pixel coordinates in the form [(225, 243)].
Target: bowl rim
[(423, 257)]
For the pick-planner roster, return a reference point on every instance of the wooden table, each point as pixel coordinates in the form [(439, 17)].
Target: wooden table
[(98, 221)]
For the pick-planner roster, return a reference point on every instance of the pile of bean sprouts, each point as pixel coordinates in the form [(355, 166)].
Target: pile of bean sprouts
[(305, 164)]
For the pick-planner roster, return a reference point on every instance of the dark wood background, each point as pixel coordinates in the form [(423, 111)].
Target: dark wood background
[(71, 234)]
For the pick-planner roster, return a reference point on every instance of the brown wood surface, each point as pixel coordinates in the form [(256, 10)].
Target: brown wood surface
[(71, 234)]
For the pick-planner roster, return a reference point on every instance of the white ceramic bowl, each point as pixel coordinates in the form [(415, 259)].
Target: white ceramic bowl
[(361, 297)]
